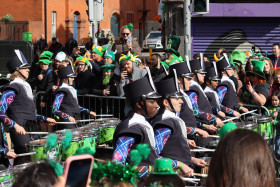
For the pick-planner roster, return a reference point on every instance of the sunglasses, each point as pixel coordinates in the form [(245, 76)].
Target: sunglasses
[(80, 64), (125, 34)]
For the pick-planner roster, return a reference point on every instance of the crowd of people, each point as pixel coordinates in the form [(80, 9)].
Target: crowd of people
[(169, 101)]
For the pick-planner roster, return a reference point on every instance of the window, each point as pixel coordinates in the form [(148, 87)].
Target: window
[(53, 24), (130, 17)]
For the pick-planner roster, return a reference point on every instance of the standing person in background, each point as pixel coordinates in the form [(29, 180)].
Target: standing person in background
[(59, 58), (97, 59), (275, 57), (156, 68), (126, 43), (70, 44), (55, 46), (42, 44), (110, 37), (268, 70)]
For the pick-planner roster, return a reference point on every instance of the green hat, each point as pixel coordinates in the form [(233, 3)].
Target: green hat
[(172, 60), (238, 57), (46, 55), (226, 129), (99, 50), (45, 61), (129, 26), (163, 166), (258, 67), (173, 44), (108, 67), (110, 54)]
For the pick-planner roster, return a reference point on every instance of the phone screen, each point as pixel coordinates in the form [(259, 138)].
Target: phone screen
[(78, 173), (129, 39)]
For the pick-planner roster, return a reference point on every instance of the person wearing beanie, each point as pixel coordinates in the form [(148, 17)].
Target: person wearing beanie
[(17, 107), (85, 79), (108, 84), (135, 128), (170, 130)]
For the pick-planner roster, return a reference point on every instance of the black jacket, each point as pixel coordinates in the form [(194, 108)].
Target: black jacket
[(112, 86), (84, 82)]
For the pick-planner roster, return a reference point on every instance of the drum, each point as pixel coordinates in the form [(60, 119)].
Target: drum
[(38, 146), (213, 143), (74, 145), (55, 152), (250, 125), (89, 140), (6, 178), (265, 127), (107, 133), (93, 129)]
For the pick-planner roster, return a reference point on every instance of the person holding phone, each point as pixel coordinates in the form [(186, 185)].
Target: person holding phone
[(65, 104), (126, 43), (17, 107), (135, 129)]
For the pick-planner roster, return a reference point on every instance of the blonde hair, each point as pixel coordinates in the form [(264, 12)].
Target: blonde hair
[(14, 75)]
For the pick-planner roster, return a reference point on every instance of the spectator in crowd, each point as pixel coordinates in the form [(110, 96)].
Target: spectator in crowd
[(97, 58), (129, 71), (219, 53), (70, 44), (55, 46), (142, 62), (268, 70), (85, 80), (242, 158), (75, 53), (109, 82), (109, 57), (61, 56), (110, 37), (42, 44), (99, 33), (126, 43), (257, 90), (157, 70), (275, 56), (276, 82), (43, 77)]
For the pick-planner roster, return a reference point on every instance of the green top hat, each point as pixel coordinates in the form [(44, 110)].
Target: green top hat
[(163, 166), (46, 55), (258, 67), (238, 57), (45, 61), (173, 44), (108, 67), (110, 54), (226, 129)]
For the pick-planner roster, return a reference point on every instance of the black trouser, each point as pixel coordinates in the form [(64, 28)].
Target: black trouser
[(21, 141)]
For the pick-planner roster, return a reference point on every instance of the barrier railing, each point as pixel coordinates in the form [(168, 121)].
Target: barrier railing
[(99, 104)]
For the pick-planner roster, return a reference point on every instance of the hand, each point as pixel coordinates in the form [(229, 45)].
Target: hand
[(11, 155), (243, 109), (275, 114), (19, 129), (199, 162), (42, 104), (54, 88), (51, 121), (219, 122), (211, 128), (124, 75), (192, 143), (71, 119), (236, 114), (186, 170), (129, 44), (249, 87), (106, 92), (40, 77), (61, 182), (202, 133), (92, 114), (221, 114)]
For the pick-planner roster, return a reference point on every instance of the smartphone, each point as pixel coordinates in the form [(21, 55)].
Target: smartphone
[(129, 39), (77, 170)]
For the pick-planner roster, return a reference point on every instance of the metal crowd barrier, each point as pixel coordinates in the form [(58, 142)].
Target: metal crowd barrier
[(99, 104)]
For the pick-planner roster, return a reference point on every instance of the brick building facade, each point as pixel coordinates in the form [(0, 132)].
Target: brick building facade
[(65, 16)]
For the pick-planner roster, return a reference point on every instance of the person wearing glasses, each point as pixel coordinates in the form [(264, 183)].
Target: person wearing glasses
[(126, 42)]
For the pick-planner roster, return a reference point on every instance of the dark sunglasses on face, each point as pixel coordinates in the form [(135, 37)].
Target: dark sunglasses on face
[(80, 64), (125, 34)]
